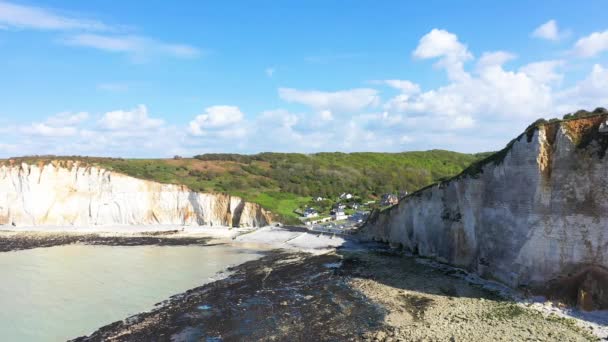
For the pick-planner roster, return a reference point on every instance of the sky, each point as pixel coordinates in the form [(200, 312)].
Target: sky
[(159, 78)]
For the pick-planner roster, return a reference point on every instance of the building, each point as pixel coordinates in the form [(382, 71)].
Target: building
[(310, 212), (346, 196), (318, 221), (389, 199), (603, 127), (340, 206), (338, 214), (318, 199)]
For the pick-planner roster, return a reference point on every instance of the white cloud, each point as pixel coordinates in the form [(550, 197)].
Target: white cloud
[(278, 117), (494, 59), (490, 93), (338, 101), (404, 139), (215, 119), (135, 45), (116, 133), (45, 130), (67, 119), (139, 47), (446, 46), (544, 71), (326, 115), (491, 100), (589, 93), (30, 17), (405, 86), (592, 45), (136, 119), (59, 125), (548, 31)]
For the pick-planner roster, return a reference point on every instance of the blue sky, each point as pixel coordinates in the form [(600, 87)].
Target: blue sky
[(120, 79)]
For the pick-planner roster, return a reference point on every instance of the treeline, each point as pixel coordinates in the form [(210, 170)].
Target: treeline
[(330, 174)]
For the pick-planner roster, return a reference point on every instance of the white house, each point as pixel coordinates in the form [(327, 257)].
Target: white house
[(318, 199), (604, 127), (317, 221), (346, 196), (338, 215), (340, 206)]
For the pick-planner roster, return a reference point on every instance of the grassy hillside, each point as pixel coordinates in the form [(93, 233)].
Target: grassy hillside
[(283, 182)]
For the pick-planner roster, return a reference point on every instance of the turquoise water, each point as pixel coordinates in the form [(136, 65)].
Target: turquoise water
[(53, 294)]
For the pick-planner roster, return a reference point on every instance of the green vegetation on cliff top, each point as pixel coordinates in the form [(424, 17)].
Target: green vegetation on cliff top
[(283, 182)]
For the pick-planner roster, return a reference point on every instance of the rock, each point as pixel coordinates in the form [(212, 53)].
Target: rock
[(533, 213), (73, 195), (380, 336)]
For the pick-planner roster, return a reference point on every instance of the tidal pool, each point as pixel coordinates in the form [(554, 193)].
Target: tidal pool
[(58, 293)]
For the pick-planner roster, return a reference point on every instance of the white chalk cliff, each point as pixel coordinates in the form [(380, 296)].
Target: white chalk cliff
[(76, 195), (533, 215)]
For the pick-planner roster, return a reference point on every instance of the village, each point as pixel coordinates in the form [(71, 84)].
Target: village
[(344, 214)]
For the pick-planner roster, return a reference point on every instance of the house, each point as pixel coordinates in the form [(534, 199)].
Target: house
[(338, 215), (603, 127), (389, 199), (346, 196), (310, 212), (318, 221), (354, 206), (340, 206), (403, 194), (318, 199)]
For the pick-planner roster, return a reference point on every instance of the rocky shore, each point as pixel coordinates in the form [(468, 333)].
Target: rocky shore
[(342, 296), (13, 241)]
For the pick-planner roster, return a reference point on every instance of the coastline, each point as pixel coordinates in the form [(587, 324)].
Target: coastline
[(19, 238), (344, 295), (376, 281)]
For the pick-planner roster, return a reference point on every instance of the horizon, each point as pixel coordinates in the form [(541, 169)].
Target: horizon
[(242, 154), (306, 77)]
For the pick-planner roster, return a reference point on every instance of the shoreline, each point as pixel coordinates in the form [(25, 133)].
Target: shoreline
[(345, 295), (298, 245), (268, 237)]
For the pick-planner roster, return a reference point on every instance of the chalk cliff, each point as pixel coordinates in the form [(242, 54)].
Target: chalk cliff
[(533, 215), (77, 195)]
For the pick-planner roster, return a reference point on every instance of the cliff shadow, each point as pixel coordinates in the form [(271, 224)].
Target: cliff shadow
[(414, 278), (405, 272), (236, 215)]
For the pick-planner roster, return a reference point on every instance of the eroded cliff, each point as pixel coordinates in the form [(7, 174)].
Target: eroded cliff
[(78, 195), (533, 215)]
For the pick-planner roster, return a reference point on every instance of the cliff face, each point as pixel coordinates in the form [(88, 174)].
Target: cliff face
[(536, 215), (78, 196)]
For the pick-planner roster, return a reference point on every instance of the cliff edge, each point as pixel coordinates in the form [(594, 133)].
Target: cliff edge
[(534, 215), (68, 193)]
